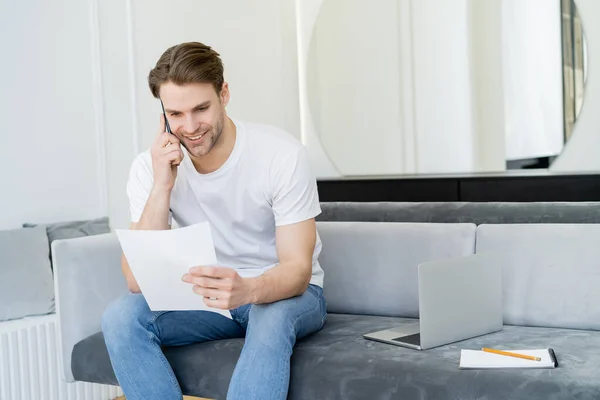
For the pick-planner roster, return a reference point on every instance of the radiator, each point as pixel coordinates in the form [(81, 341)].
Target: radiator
[(29, 364)]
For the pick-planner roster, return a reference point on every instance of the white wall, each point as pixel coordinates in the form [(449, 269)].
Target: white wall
[(50, 163), (486, 39), (442, 86), (443, 97)]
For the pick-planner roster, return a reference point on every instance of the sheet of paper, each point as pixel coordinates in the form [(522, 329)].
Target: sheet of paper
[(480, 359), (159, 259)]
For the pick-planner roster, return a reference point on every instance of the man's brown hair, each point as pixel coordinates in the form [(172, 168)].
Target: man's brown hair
[(190, 62)]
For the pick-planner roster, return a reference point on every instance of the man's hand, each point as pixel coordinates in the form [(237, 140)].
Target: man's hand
[(166, 156), (221, 287)]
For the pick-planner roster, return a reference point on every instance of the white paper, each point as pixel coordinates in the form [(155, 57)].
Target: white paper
[(159, 258), (481, 359)]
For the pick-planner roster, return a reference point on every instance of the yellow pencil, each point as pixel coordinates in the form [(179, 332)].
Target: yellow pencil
[(507, 353)]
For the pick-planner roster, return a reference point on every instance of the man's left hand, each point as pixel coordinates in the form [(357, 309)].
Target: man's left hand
[(221, 287)]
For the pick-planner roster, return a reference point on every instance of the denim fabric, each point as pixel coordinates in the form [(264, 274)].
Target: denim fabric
[(134, 336)]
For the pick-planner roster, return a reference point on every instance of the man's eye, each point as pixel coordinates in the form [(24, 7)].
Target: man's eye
[(202, 109), (175, 114)]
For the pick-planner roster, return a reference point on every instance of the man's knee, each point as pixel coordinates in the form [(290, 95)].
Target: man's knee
[(273, 314), (123, 315), (271, 324)]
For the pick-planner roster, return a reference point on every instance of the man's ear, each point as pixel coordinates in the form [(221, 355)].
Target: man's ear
[(224, 95)]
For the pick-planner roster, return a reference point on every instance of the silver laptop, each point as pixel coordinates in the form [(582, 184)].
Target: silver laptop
[(459, 298)]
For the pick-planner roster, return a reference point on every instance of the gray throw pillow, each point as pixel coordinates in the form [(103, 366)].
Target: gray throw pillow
[(73, 229), (26, 285)]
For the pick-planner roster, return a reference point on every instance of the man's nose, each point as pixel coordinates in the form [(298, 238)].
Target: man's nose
[(190, 125)]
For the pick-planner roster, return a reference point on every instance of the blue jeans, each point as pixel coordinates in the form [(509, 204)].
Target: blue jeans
[(134, 336)]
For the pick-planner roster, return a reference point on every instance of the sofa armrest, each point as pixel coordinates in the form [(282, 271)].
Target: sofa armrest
[(87, 278)]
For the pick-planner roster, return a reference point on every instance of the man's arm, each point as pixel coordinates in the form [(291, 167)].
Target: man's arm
[(295, 246), (295, 205), (152, 196)]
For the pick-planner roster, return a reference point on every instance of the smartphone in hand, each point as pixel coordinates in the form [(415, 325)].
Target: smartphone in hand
[(166, 120)]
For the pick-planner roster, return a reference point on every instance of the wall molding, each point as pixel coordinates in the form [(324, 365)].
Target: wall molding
[(98, 101), (132, 74), (407, 86)]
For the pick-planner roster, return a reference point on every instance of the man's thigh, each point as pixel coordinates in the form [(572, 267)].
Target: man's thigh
[(303, 314), (173, 328), (178, 328)]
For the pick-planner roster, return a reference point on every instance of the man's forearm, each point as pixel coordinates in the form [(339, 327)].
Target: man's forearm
[(156, 212), (281, 282)]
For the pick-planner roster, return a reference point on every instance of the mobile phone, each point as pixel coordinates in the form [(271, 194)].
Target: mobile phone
[(166, 120)]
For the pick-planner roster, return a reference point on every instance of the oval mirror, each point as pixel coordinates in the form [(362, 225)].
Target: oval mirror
[(355, 77)]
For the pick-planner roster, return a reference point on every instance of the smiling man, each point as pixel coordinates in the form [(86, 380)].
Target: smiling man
[(253, 184)]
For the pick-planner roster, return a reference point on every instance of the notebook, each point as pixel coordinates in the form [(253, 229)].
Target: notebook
[(477, 359)]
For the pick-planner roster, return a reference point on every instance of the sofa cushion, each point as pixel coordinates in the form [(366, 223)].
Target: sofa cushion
[(551, 272), (73, 229), (462, 212), (371, 267), (26, 285), (337, 363)]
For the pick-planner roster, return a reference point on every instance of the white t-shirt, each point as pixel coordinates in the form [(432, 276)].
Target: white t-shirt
[(266, 182)]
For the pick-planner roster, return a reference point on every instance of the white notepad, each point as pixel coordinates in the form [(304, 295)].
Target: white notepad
[(159, 259), (477, 359)]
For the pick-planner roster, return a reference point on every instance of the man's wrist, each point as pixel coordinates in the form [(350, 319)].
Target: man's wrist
[(255, 289), (161, 191)]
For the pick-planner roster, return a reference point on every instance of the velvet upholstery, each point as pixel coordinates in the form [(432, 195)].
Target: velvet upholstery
[(463, 212), (550, 274), (337, 363)]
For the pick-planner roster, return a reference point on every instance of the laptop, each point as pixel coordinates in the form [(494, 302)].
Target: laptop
[(459, 298)]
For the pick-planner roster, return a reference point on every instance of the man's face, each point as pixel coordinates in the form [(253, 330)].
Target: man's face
[(196, 114)]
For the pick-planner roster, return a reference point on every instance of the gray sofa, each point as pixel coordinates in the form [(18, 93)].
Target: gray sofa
[(551, 298)]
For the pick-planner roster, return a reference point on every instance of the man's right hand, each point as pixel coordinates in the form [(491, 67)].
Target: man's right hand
[(166, 156)]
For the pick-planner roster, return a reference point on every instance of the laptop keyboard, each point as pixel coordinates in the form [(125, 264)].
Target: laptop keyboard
[(410, 339)]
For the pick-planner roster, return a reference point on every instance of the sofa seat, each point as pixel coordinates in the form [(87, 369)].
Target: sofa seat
[(337, 363)]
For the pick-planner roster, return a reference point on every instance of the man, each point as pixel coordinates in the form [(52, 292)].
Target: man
[(254, 186)]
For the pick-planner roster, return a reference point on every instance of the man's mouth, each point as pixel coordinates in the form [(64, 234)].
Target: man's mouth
[(197, 137)]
